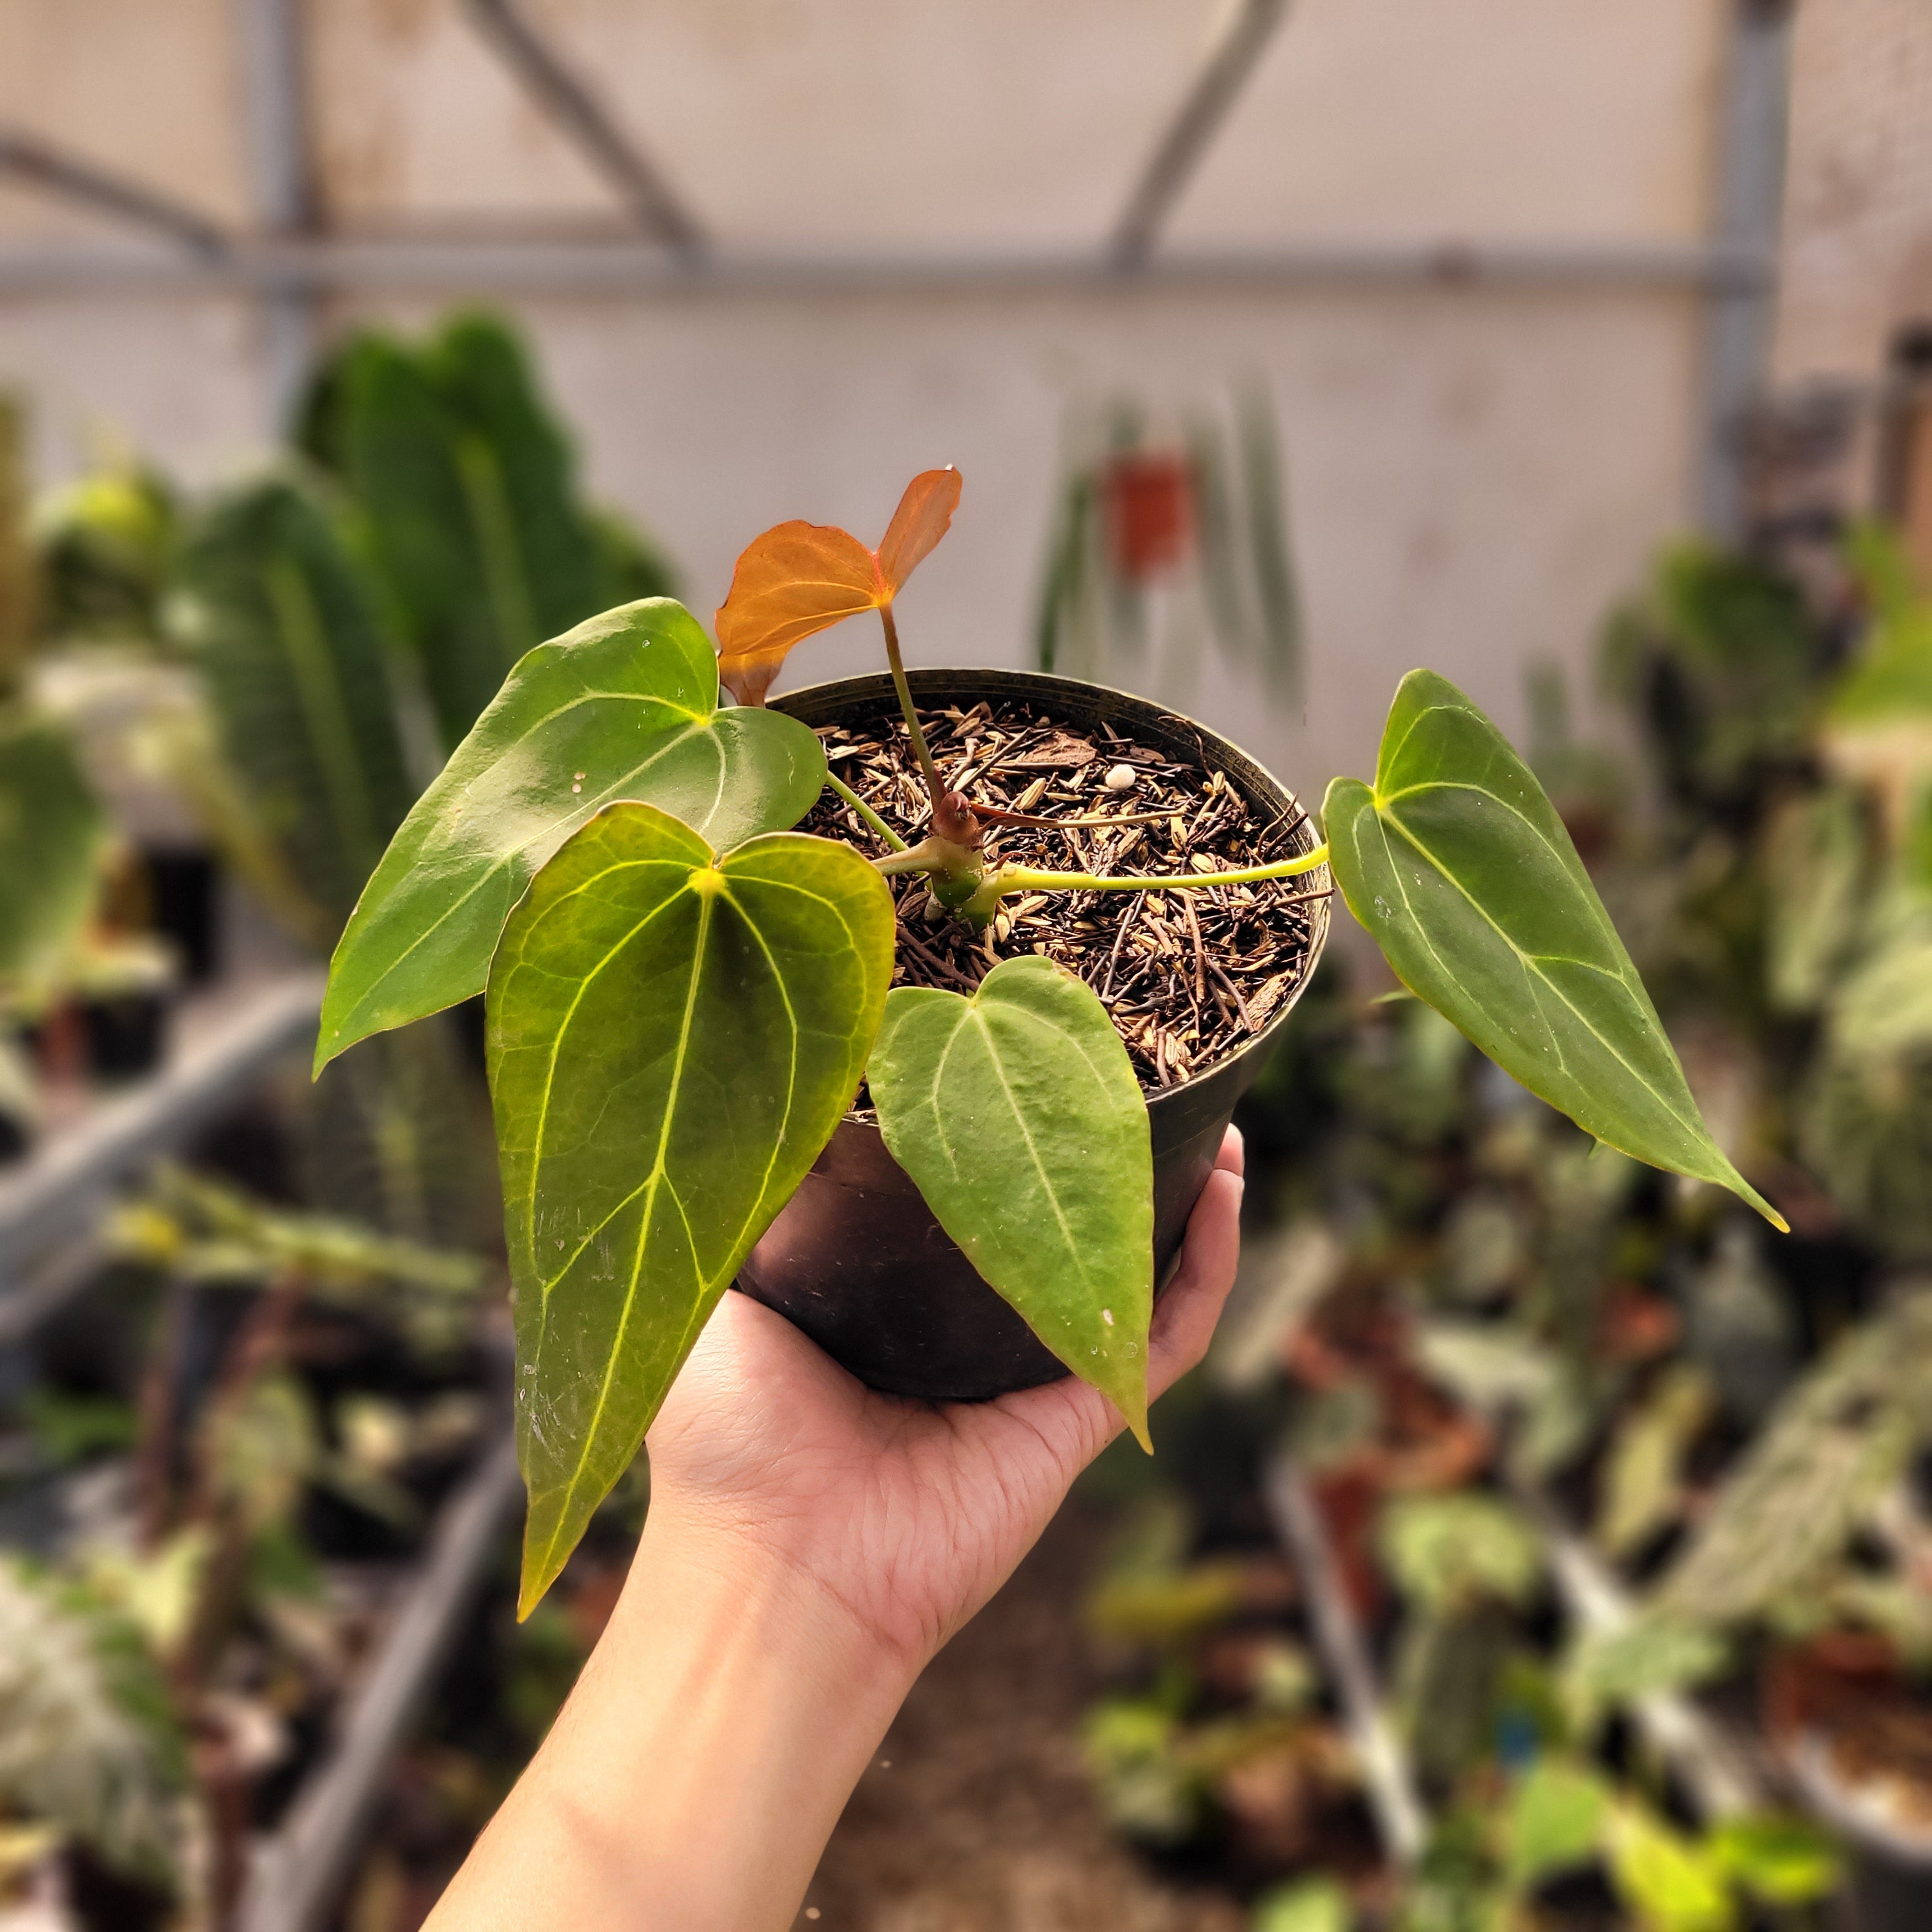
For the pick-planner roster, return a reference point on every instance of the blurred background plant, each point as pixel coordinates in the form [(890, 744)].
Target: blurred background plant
[(1168, 552), (1578, 1439), (222, 1455)]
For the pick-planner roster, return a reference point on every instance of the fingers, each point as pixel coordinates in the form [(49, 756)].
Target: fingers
[(1233, 1158), (1184, 1320), (1074, 1420)]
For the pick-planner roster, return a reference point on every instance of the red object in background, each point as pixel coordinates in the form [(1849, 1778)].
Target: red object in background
[(1637, 1326), (1149, 500)]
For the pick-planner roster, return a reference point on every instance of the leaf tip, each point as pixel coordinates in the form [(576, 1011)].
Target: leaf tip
[(1751, 1197), (1131, 1400), (328, 1044), (541, 1567)]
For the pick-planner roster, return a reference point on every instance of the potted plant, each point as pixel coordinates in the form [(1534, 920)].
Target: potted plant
[(684, 995)]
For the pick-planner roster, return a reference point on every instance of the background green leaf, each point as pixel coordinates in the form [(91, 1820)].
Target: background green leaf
[(1450, 1551), (466, 490), (1555, 1821), (1784, 1862), (87, 1739), (1463, 874), (1673, 1884), (624, 706), (51, 830), (1018, 1114), (1308, 1905), (672, 1040), (283, 623)]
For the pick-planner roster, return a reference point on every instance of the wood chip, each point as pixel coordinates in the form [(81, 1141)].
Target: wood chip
[(1189, 977)]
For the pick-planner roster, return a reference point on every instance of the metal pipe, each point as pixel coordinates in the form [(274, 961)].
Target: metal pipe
[(348, 265), (27, 158), (1750, 213), (274, 108), (56, 1193), (1400, 1818), (1715, 1774), (303, 1870), (1216, 83), (577, 112)]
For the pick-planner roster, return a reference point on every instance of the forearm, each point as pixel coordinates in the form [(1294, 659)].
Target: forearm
[(701, 1763)]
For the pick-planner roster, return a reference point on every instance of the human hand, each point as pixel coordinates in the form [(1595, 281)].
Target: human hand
[(809, 1545), (906, 1516)]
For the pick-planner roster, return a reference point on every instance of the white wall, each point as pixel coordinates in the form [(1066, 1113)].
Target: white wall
[(1474, 473), (1857, 227)]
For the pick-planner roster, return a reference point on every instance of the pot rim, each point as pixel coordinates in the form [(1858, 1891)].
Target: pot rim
[(1856, 1809), (881, 683)]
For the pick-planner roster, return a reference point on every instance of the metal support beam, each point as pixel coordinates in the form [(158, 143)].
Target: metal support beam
[(1387, 1779), (56, 1194), (25, 157), (1750, 213), (1716, 1776), (303, 1871), (275, 104), (1217, 83), (583, 119), (511, 266)]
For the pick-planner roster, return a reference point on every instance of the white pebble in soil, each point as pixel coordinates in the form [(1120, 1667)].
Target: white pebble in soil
[(1120, 778)]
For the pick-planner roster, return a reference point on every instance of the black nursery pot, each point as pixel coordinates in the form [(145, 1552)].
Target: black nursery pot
[(855, 1258), (126, 1033)]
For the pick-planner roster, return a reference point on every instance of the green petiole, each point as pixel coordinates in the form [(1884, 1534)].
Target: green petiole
[(865, 811), (1010, 879), (935, 785), (941, 859)]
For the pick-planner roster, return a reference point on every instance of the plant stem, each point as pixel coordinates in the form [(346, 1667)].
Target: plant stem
[(935, 786), (928, 855), (865, 811), (1025, 879)]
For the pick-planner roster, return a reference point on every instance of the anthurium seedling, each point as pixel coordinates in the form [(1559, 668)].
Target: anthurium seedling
[(684, 994)]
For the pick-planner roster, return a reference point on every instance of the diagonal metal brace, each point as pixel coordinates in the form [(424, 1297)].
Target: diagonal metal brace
[(28, 158), (579, 115), (1216, 83)]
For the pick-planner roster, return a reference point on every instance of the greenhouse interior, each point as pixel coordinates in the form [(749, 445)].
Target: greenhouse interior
[(1381, 1379)]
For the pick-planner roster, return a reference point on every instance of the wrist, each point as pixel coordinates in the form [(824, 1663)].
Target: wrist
[(776, 1696), (745, 1594)]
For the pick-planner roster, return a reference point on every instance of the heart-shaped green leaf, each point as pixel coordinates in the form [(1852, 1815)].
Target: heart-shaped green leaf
[(625, 707), (1018, 1114), (672, 1038), (1463, 872)]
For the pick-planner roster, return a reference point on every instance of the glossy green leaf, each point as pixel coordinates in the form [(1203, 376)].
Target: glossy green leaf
[(625, 707), (1018, 1114), (282, 623), (1462, 873), (672, 1038), (51, 829)]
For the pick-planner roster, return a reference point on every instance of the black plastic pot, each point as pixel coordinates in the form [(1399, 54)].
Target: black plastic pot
[(126, 1034), (855, 1258), (1890, 1881), (186, 886)]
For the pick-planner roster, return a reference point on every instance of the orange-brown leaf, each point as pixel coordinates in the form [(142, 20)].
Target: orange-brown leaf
[(796, 579), (924, 514)]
